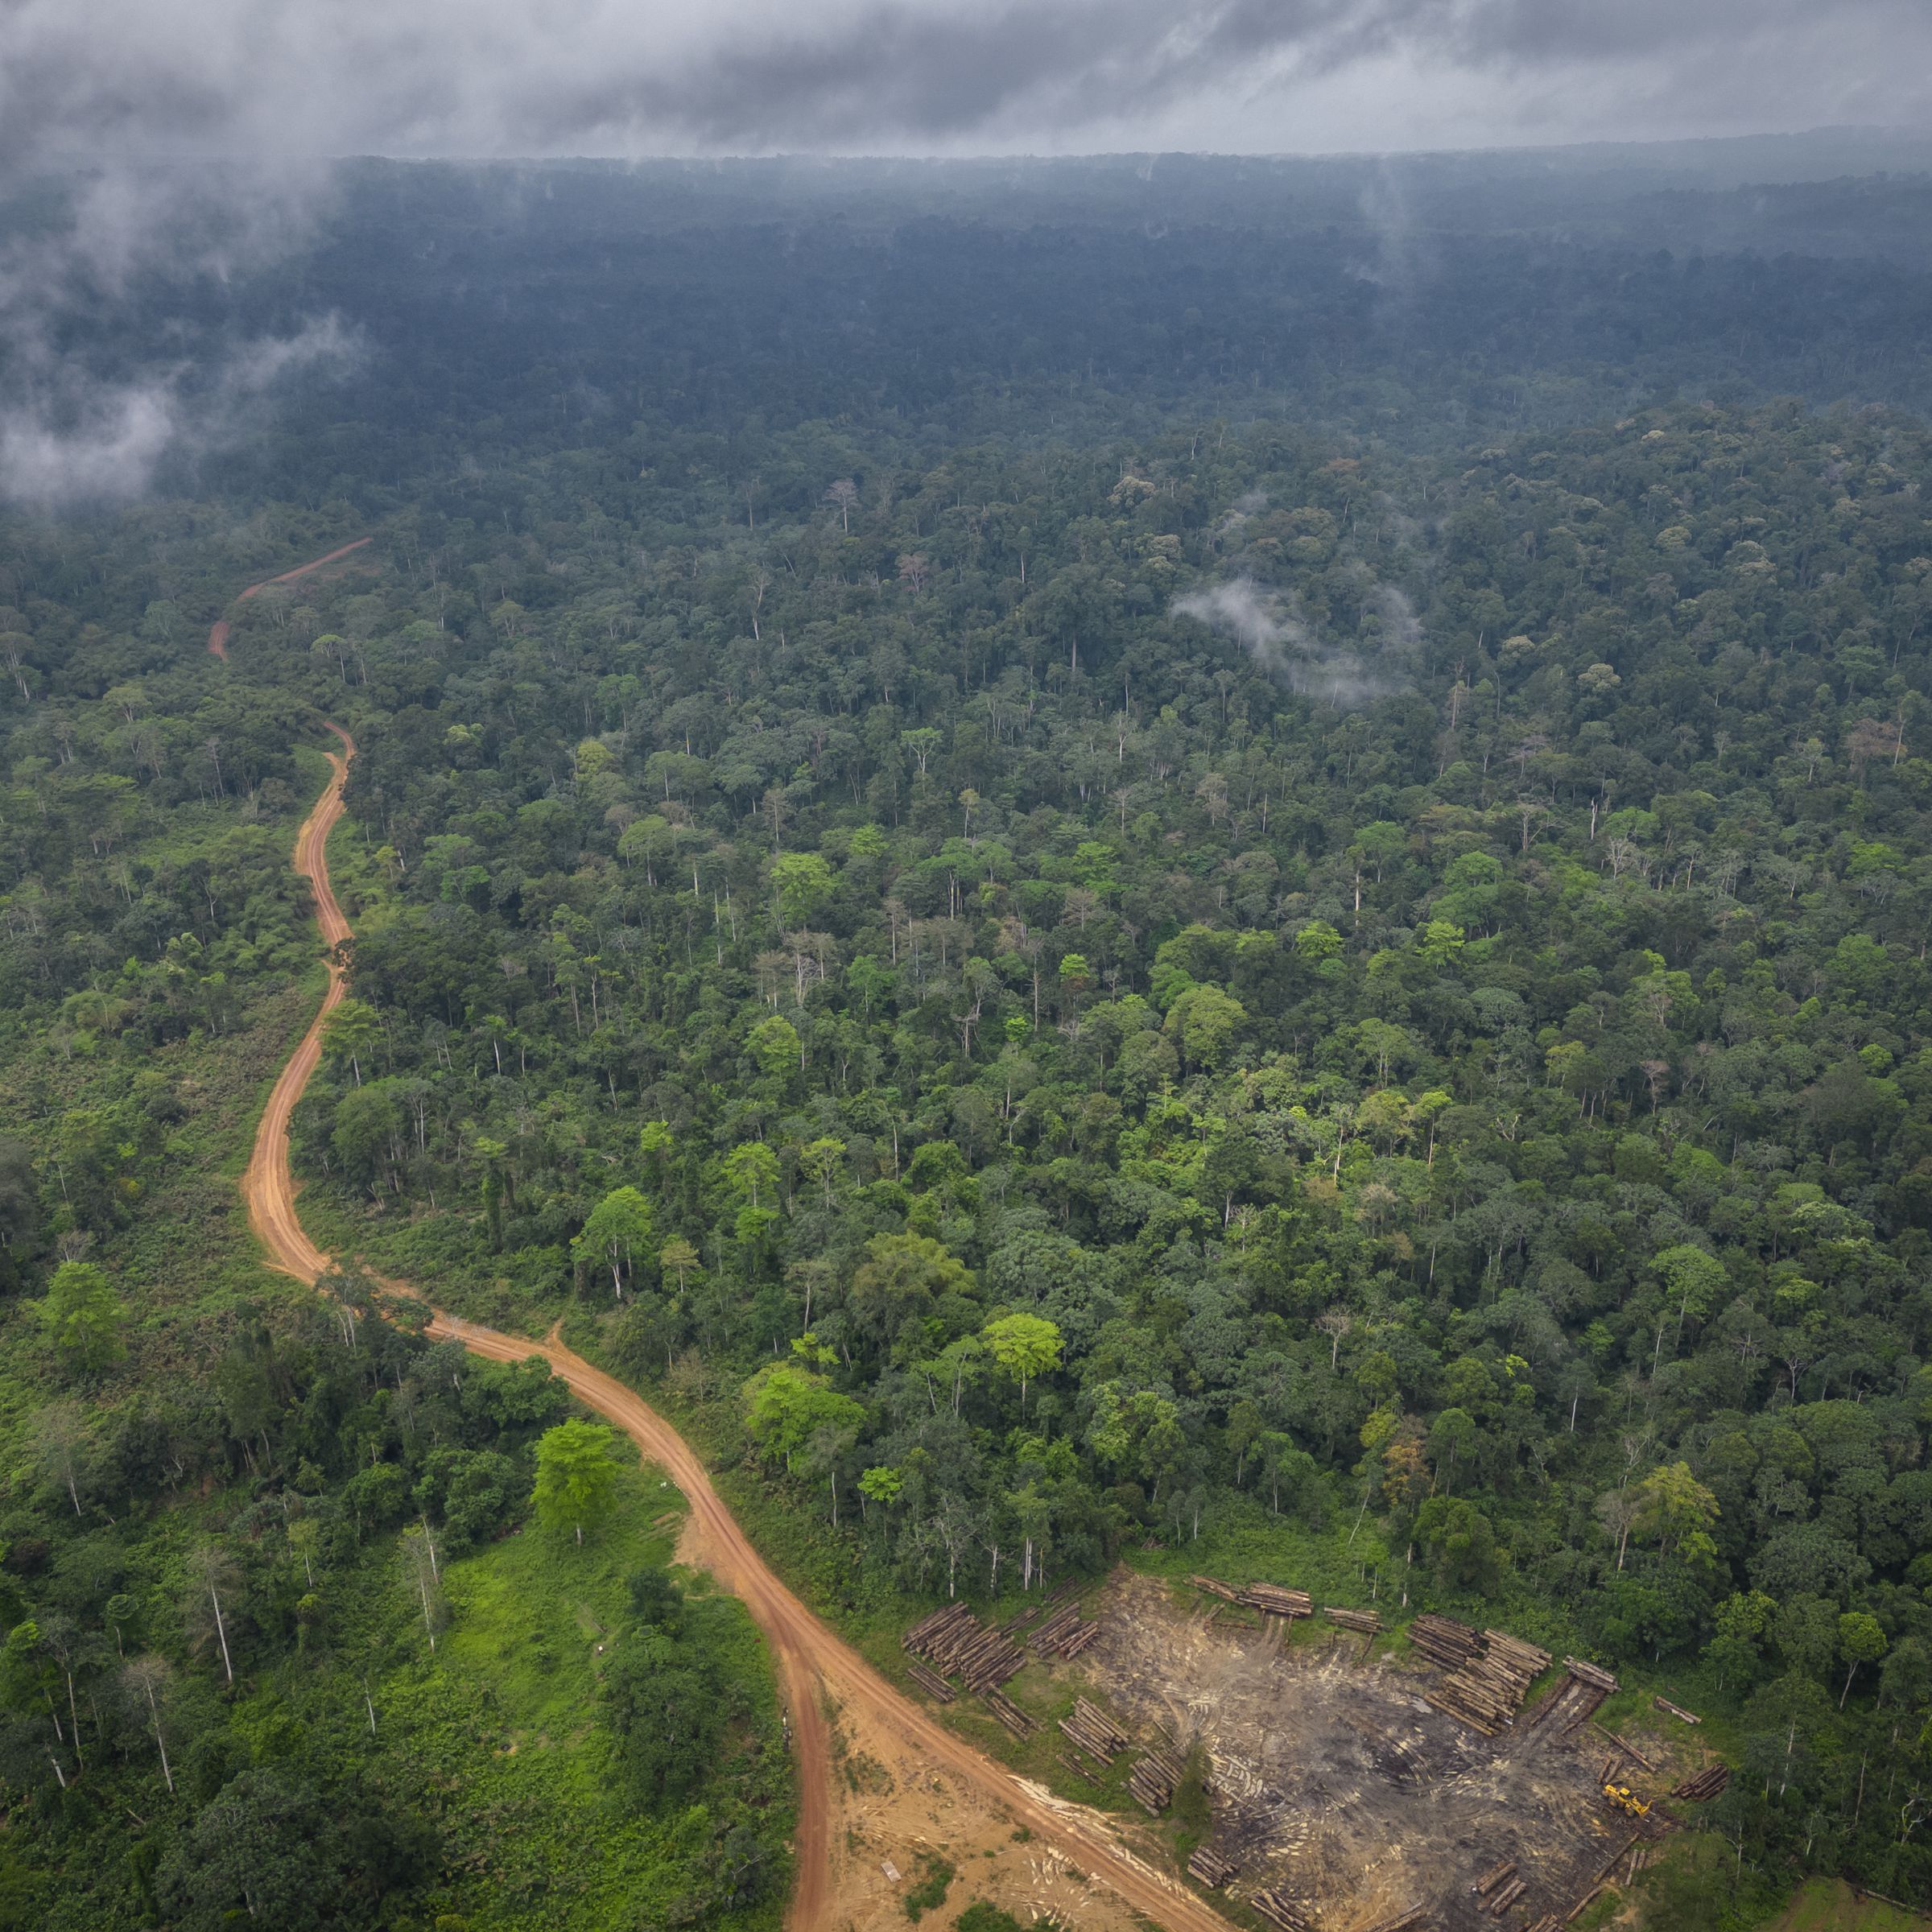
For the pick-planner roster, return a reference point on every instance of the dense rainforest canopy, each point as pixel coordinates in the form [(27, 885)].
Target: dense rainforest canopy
[(1336, 949)]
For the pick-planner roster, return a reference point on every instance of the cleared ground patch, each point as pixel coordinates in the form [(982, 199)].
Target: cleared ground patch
[(1337, 1786)]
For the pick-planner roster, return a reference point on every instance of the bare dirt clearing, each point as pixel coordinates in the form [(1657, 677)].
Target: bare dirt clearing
[(1336, 1785)]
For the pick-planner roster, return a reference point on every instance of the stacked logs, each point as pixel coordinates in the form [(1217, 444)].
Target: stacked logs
[(1094, 1732), (1063, 1634), (1591, 1673), (1549, 1923), (1009, 1713), (1487, 1689), (1154, 1781), (1272, 1600), (1280, 1911), (1444, 1641), (1209, 1868), (1707, 1784), (1365, 1623), (1576, 1700), (956, 1644), (934, 1686)]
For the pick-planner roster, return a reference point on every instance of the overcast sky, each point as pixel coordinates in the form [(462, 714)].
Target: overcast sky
[(465, 77)]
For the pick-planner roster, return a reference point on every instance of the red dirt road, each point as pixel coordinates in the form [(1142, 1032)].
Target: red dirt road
[(812, 1661), (217, 636)]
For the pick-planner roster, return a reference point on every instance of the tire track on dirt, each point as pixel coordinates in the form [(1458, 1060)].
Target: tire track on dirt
[(217, 635), (811, 1660)]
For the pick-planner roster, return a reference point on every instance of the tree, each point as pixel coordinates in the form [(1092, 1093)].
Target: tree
[(144, 1682), (804, 884), (1676, 1511), (1861, 1639), (786, 1406), (215, 1588), (1025, 1346), (902, 1277), (83, 1315), (619, 1226), (577, 1475), (352, 1032)]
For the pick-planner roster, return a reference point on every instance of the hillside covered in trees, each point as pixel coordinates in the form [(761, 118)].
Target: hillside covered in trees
[(1352, 975)]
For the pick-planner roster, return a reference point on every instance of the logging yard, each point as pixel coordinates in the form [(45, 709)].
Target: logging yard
[(1461, 1779)]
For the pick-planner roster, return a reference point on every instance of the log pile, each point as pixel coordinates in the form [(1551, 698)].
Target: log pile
[(1400, 1922), (1009, 1713), (1094, 1732), (1576, 1700), (1549, 1923), (1209, 1868), (1272, 1600), (956, 1644), (1214, 1587), (1591, 1673), (1280, 1911), (934, 1686), (1063, 1634), (1444, 1641), (1498, 1874), (1707, 1784), (1154, 1781), (1506, 1896), (1365, 1623), (1487, 1689)]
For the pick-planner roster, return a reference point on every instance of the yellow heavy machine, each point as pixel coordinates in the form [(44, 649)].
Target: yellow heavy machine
[(1626, 1801)]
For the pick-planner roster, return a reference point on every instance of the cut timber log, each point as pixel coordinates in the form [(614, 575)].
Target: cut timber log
[(1706, 1784), (1498, 1873), (1402, 1922), (1074, 1764), (1153, 1781), (1094, 1732), (1209, 1868), (1365, 1621), (1664, 1704), (1549, 1923), (1506, 1897), (1271, 1600), (1009, 1713), (1591, 1673), (1443, 1641), (1080, 1639), (1630, 1751), (1214, 1587), (1279, 1910), (934, 1686)]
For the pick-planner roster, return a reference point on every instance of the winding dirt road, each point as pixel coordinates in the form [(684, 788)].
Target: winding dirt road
[(817, 1670), (217, 636)]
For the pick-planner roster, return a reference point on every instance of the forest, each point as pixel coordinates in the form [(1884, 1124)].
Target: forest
[(1083, 937)]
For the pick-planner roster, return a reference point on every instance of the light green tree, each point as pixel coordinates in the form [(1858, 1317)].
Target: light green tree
[(82, 1315), (351, 1033), (804, 884), (618, 1229), (1861, 1639), (577, 1475), (1025, 1346)]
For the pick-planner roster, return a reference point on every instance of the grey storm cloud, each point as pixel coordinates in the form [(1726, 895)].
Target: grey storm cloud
[(486, 77), (103, 91)]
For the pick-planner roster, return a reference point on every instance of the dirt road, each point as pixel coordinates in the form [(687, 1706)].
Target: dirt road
[(217, 636), (815, 1667)]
